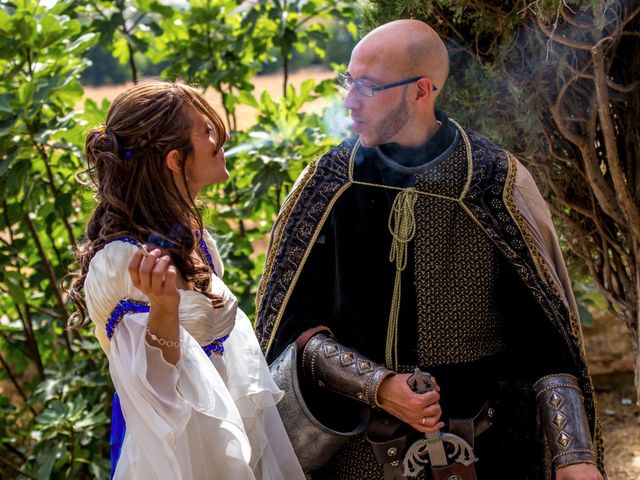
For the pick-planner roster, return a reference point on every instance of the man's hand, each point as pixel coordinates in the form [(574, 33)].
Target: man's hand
[(421, 411), (578, 471)]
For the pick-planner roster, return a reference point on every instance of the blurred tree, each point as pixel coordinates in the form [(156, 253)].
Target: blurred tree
[(124, 27), (558, 84), (104, 68)]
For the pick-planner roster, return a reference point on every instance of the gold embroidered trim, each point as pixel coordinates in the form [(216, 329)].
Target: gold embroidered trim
[(307, 251), (287, 207), (525, 231)]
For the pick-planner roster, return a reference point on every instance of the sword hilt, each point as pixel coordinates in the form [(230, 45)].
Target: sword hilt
[(420, 382), (431, 449)]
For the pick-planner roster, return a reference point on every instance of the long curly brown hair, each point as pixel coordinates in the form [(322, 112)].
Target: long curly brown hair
[(136, 193)]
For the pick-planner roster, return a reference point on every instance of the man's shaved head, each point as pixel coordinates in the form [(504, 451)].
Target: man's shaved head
[(409, 48), (405, 113)]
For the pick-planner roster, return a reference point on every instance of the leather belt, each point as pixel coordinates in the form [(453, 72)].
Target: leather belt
[(389, 439)]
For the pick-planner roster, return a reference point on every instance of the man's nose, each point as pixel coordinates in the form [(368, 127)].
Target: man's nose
[(352, 99)]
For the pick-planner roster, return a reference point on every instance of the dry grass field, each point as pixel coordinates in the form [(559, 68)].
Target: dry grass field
[(245, 114)]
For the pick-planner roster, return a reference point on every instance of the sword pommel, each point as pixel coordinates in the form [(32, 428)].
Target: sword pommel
[(420, 382)]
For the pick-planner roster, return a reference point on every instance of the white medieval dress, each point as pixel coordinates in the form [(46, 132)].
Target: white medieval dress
[(207, 417)]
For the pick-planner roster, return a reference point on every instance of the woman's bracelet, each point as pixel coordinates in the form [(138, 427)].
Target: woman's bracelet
[(162, 342)]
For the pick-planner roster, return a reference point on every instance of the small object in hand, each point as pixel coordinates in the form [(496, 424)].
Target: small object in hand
[(143, 249)]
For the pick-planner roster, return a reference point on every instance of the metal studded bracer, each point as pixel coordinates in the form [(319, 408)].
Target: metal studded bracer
[(342, 370), (564, 420)]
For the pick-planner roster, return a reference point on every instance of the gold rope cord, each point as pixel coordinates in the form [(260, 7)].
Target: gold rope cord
[(402, 226)]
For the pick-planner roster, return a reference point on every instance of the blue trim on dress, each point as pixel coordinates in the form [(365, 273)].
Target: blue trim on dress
[(124, 306), (205, 249), (215, 347), (118, 429), (130, 240)]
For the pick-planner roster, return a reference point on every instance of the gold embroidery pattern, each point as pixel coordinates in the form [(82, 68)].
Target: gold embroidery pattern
[(560, 308), (304, 212), (283, 217)]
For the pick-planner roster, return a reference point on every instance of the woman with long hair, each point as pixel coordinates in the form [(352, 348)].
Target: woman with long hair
[(196, 395)]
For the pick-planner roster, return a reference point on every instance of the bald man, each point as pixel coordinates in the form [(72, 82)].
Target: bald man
[(418, 243)]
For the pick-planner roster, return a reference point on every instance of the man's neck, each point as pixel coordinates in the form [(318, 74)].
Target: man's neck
[(438, 142), (421, 134)]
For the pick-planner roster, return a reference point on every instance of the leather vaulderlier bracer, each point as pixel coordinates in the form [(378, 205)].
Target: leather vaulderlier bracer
[(342, 370), (564, 420)]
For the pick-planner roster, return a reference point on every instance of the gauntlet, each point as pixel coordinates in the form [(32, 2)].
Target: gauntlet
[(564, 419), (342, 370)]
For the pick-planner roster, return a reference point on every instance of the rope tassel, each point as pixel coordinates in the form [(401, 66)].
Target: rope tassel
[(402, 226)]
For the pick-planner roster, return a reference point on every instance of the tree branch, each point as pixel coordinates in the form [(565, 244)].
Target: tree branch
[(627, 204), (52, 279), (562, 40), (15, 383)]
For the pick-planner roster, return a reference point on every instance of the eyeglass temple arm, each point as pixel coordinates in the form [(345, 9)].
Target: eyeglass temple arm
[(403, 82)]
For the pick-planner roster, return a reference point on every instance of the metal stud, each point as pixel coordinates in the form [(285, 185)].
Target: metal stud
[(555, 400), (564, 439), (559, 420)]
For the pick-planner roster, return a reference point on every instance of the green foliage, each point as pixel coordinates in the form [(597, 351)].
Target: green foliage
[(42, 212), (264, 162), (54, 412), (73, 422)]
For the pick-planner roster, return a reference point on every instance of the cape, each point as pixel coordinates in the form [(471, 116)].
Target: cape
[(500, 196)]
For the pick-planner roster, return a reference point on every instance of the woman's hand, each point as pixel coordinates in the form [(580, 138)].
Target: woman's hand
[(153, 274), (421, 411)]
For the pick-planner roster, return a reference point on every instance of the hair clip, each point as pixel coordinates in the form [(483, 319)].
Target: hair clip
[(127, 153)]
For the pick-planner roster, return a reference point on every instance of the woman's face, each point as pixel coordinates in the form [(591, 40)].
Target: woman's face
[(205, 166)]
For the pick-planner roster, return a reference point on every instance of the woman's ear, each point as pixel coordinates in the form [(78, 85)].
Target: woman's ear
[(173, 161)]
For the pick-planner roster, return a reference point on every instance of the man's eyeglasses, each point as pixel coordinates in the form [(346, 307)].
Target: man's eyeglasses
[(346, 81)]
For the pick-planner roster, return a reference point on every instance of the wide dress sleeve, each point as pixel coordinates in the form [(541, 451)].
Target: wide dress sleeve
[(200, 418)]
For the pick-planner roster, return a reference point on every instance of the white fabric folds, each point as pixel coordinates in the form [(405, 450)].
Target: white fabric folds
[(204, 418)]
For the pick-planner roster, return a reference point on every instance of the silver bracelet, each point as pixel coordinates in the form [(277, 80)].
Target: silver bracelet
[(162, 342)]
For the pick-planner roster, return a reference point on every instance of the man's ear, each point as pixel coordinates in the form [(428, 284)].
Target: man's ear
[(173, 161), (425, 88)]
